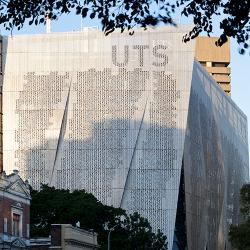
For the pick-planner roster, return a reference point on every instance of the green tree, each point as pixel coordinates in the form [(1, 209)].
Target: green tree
[(232, 15), (239, 235), (50, 206), (135, 233)]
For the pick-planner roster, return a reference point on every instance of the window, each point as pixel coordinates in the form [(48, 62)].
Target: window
[(17, 220), (5, 227), (28, 231), (16, 224), (203, 64), (220, 64)]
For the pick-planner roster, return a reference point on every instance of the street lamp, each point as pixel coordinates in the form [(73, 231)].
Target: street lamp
[(110, 230), (121, 219)]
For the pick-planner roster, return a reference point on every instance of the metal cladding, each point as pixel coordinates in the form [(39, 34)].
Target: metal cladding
[(122, 117), (215, 163)]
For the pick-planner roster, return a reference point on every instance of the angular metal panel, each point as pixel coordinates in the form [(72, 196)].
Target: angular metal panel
[(215, 163)]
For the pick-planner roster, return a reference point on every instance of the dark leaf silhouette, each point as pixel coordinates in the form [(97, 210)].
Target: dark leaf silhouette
[(51, 206), (233, 15), (239, 235)]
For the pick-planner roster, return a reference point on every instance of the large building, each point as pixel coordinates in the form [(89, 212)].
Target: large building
[(135, 120)]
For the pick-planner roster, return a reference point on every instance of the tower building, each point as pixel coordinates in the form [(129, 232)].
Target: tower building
[(215, 59)]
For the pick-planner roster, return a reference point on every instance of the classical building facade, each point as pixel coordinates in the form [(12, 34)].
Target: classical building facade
[(135, 120), (14, 212)]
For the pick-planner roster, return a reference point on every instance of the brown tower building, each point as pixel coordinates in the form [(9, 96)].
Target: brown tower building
[(215, 59)]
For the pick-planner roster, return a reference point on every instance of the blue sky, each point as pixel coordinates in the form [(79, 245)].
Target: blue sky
[(240, 64), (241, 81)]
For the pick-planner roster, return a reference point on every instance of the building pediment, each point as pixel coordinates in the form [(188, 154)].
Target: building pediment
[(19, 187), (13, 184), (18, 243)]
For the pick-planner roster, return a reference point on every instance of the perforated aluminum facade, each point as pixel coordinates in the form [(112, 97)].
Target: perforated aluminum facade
[(109, 115), (215, 163)]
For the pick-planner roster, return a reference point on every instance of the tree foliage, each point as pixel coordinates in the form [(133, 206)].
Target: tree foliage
[(53, 206), (239, 235), (233, 15)]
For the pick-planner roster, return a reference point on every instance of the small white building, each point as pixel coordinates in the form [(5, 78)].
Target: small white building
[(66, 237)]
